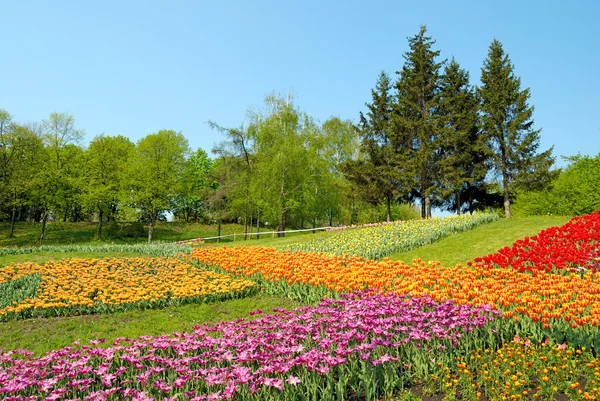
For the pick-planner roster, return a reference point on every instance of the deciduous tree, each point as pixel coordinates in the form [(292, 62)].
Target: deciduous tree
[(106, 161), (155, 172)]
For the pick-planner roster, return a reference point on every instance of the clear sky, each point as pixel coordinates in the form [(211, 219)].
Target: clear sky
[(135, 67)]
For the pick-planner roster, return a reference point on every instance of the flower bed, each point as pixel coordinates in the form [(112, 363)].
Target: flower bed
[(572, 247), (78, 286), (564, 306), (363, 345), (523, 370), (384, 239)]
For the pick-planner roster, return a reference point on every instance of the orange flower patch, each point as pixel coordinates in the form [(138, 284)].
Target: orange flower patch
[(544, 297)]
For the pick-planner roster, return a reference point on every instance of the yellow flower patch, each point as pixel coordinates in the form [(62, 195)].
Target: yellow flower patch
[(92, 285)]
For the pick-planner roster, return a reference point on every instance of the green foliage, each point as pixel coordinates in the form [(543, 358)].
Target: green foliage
[(508, 127), (16, 291), (416, 121), (154, 173), (59, 233), (59, 184), (281, 168), (106, 161), (462, 154), (375, 174), (368, 213), (196, 184), (574, 192), (167, 249)]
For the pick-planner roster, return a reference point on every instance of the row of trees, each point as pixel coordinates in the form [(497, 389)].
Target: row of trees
[(280, 168), (431, 136), (46, 173)]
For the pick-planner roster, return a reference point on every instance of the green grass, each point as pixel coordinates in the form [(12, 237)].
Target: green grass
[(269, 241), (59, 233), (481, 241), (42, 335)]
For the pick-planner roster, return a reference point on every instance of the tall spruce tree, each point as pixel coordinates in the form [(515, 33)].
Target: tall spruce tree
[(508, 127), (462, 153), (376, 173), (416, 122)]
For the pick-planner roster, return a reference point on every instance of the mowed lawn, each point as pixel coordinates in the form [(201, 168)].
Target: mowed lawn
[(483, 240), (44, 334)]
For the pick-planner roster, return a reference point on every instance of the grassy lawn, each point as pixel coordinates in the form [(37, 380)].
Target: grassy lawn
[(42, 335), (59, 233), (270, 241), (481, 241)]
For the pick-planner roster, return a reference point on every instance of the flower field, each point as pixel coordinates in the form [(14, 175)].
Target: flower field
[(80, 286), (384, 239), (329, 351), (572, 247), (519, 324), (560, 303), (523, 370)]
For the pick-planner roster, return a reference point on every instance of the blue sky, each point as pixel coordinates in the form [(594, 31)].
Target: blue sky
[(135, 67)]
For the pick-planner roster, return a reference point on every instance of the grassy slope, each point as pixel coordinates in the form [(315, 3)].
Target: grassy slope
[(41, 335), (59, 233), (483, 240)]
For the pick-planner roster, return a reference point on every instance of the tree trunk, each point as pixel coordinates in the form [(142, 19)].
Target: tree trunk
[(12, 222), (100, 218), (250, 225), (151, 228), (314, 224), (428, 207), (458, 203), (257, 225), (43, 230), (423, 208), (245, 226), (506, 198), (219, 231), (281, 227), (470, 203), (388, 209)]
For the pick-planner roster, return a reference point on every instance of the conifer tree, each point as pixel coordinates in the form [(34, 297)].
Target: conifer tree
[(416, 118), (461, 164), (376, 173), (508, 127)]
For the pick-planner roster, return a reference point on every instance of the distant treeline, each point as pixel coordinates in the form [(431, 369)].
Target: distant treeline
[(429, 137)]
